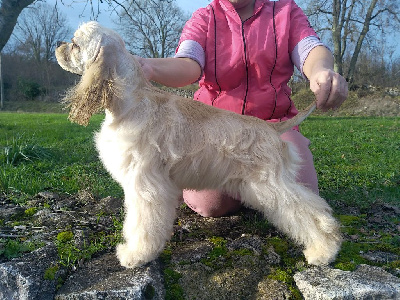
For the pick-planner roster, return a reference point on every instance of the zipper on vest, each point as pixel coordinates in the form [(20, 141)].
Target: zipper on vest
[(247, 68)]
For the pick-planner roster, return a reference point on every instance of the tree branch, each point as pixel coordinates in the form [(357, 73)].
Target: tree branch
[(9, 12)]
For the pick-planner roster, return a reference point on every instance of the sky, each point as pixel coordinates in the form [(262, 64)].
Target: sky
[(76, 13)]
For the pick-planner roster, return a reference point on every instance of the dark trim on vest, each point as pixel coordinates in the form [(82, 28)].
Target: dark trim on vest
[(276, 58), (290, 105), (215, 61), (246, 65), (247, 69)]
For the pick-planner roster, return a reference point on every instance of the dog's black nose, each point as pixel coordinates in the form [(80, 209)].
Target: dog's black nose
[(59, 43)]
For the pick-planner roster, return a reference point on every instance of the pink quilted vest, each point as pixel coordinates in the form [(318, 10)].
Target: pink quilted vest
[(248, 63)]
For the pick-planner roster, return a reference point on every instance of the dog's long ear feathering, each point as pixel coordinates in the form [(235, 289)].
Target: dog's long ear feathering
[(94, 50), (93, 93)]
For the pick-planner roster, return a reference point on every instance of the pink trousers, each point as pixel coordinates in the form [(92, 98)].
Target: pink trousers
[(213, 203)]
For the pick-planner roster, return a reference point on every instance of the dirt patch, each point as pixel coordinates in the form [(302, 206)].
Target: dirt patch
[(358, 103), (379, 106)]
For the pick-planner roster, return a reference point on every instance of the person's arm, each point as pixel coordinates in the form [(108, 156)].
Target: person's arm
[(329, 87), (172, 72)]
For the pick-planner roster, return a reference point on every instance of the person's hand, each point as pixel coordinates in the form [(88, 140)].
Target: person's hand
[(330, 89), (146, 68)]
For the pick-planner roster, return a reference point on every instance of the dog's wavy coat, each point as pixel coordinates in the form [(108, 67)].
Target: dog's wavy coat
[(156, 144)]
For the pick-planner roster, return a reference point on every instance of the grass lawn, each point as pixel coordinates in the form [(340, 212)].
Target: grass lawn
[(41, 152), (357, 159)]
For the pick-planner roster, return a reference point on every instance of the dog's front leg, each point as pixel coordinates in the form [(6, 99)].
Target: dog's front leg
[(148, 224)]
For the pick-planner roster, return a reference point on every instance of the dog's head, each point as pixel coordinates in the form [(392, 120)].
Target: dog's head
[(92, 53), (85, 46)]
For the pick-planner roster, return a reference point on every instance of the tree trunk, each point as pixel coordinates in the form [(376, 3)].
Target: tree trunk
[(9, 12), (336, 37), (364, 31)]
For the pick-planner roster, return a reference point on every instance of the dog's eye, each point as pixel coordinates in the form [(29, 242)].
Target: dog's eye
[(74, 45)]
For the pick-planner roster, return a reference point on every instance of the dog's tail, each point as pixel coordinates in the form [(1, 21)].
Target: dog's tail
[(284, 126)]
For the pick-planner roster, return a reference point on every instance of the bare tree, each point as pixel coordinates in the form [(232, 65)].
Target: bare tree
[(151, 27), (348, 24), (11, 9), (38, 30), (9, 12)]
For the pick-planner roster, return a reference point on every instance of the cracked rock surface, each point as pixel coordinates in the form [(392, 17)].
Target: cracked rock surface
[(234, 257), (366, 282)]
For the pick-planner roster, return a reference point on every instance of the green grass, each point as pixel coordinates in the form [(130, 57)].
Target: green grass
[(15, 248), (357, 159), (28, 106), (46, 152)]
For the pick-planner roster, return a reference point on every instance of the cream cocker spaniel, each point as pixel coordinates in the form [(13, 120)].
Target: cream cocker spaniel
[(156, 144)]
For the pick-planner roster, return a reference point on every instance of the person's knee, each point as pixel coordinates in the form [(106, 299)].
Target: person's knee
[(222, 211), (210, 212), (211, 203)]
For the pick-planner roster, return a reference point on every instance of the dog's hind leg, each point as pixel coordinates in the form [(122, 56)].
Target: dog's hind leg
[(301, 214), (149, 217)]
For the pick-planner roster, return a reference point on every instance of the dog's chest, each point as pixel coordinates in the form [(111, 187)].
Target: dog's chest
[(116, 151)]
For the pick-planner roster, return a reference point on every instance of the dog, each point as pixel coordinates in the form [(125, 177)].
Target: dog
[(156, 144)]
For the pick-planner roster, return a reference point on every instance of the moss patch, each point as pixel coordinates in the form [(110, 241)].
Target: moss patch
[(50, 273), (370, 233), (31, 211), (173, 290), (65, 236)]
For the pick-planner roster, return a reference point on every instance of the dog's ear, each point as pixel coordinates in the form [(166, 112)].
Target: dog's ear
[(95, 90), (93, 50)]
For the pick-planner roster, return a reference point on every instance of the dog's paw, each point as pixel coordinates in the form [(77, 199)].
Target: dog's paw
[(326, 240), (128, 258), (313, 257), (323, 253)]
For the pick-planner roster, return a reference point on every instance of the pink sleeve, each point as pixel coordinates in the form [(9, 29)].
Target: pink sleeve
[(196, 28), (300, 27)]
